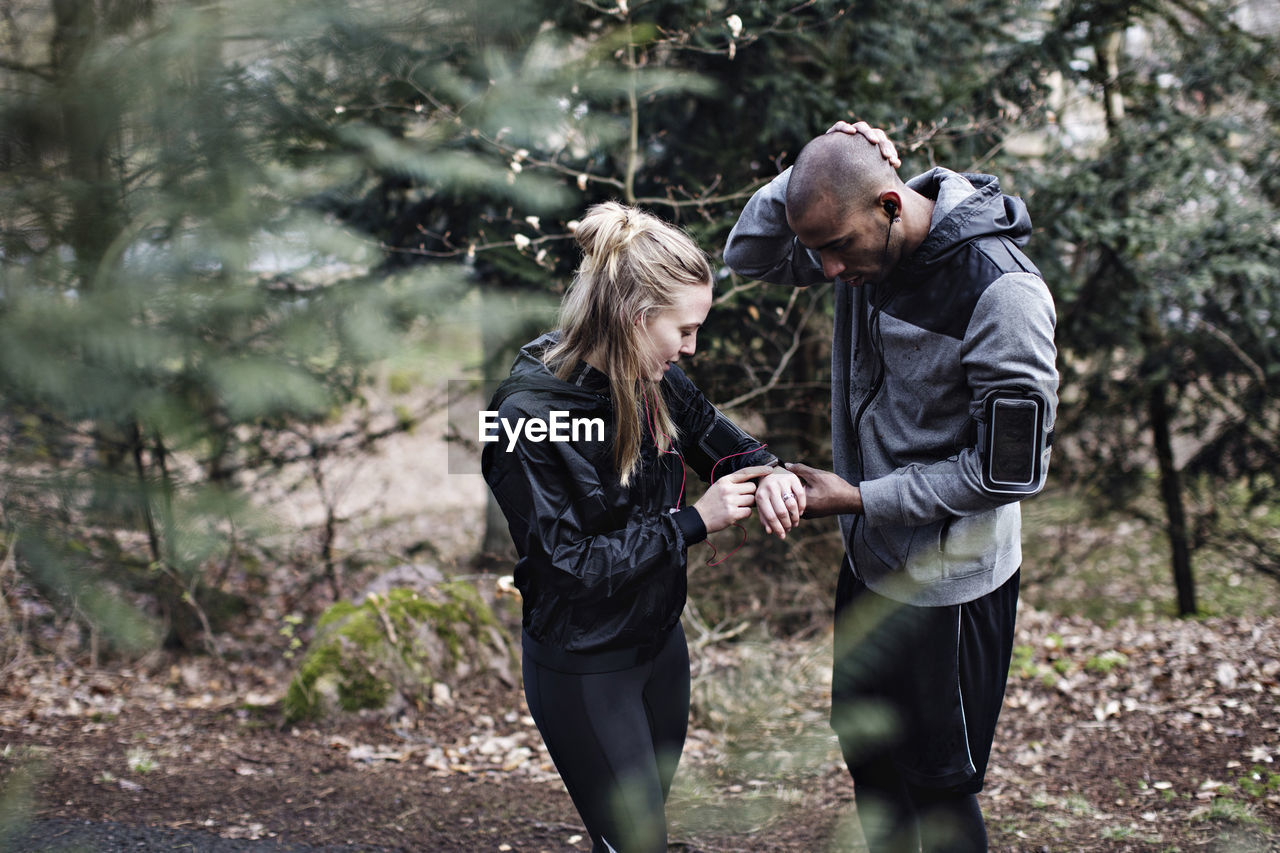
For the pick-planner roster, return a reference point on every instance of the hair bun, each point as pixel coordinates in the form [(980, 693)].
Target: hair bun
[(608, 227)]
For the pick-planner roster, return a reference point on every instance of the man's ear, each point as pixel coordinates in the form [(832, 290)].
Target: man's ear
[(891, 202)]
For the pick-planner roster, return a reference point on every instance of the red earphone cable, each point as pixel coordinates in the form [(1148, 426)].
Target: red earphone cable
[(743, 540), (653, 433)]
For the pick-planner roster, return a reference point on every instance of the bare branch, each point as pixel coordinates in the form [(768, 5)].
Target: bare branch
[(797, 338), (471, 248), (36, 71), (1226, 340)]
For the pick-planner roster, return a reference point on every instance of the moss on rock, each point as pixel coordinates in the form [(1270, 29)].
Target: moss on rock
[(394, 646)]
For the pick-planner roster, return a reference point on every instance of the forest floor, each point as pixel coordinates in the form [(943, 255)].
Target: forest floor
[(1144, 735)]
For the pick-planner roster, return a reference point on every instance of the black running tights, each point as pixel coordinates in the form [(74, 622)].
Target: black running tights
[(616, 738)]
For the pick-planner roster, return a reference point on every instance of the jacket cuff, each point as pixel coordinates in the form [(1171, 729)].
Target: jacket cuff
[(880, 504), (760, 456), (689, 520)]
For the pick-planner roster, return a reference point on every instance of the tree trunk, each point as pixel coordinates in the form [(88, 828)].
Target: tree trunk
[(1109, 46), (496, 551), (1171, 492), (94, 218)]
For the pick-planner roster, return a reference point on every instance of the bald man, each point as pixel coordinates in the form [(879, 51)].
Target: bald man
[(944, 394)]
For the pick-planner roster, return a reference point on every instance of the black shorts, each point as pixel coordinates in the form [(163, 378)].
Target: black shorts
[(922, 686)]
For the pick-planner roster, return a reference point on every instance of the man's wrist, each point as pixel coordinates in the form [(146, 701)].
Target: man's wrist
[(855, 501), (848, 502)]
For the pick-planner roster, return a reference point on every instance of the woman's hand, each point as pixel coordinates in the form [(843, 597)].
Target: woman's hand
[(730, 498), (780, 501), (875, 135)]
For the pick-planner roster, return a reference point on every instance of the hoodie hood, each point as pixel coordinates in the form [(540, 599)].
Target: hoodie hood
[(967, 206)]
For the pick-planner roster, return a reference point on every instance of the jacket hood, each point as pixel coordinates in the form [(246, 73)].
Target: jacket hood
[(530, 373), (981, 211)]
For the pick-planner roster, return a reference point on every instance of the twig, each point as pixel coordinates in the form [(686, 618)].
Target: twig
[(797, 338), (11, 643), (377, 601), (1226, 340)]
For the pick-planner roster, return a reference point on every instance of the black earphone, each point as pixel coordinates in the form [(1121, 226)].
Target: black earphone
[(891, 208)]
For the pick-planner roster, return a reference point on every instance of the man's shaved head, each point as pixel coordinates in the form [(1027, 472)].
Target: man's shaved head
[(839, 171)]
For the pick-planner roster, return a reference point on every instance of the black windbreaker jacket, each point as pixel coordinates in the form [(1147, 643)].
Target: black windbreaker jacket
[(601, 566)]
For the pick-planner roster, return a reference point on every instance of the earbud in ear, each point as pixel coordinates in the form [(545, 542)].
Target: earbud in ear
[(891, 208)]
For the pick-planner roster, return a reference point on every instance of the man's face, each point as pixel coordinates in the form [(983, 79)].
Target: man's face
[(851, 244)]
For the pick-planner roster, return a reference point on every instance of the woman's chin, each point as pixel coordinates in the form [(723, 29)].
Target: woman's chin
[(657, 373)]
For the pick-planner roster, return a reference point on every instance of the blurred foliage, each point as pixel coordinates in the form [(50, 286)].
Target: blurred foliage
[(178, 296), (1156, 194)]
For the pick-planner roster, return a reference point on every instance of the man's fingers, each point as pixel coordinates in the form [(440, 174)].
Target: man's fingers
[(744, 474), (801, 470), (881, 141), (874, 135)]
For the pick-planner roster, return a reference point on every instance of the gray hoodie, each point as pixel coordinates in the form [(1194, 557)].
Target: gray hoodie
[(965, 315)]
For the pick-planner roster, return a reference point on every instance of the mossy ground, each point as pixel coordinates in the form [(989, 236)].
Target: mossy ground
[(398, 643)]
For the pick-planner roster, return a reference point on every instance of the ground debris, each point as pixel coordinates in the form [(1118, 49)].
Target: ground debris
[(1147, 735)]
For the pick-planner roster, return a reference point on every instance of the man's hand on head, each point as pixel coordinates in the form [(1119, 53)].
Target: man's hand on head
[(874, 135)]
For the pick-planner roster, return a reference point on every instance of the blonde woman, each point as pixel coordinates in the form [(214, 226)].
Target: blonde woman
[(599, 519)]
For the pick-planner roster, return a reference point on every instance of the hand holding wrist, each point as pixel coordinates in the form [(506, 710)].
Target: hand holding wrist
[(827, 493)]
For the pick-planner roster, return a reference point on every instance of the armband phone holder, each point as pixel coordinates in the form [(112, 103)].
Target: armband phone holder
[(719, 440), (1011, 441)]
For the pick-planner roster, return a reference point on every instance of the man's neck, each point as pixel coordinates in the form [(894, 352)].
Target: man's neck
[(917, 219)]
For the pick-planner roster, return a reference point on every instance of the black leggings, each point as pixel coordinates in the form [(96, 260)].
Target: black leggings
[(616, 738)]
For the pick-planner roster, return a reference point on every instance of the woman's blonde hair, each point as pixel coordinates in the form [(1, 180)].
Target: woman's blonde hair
[(633, 264)]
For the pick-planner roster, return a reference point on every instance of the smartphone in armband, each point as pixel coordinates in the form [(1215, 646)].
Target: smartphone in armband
[(719, 441), (1011, 441)]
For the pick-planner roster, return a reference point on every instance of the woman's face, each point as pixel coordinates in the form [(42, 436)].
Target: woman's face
[(673, 331)]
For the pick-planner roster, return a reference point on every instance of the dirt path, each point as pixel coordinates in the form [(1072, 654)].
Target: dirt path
[(1139, 737)]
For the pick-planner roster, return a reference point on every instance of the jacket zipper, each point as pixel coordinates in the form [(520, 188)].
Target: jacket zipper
[(871, 326)]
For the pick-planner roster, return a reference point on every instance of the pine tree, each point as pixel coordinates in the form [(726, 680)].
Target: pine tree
[(177, 298)]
